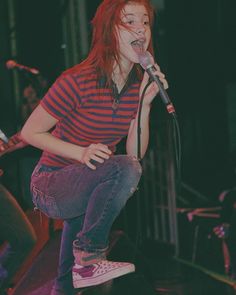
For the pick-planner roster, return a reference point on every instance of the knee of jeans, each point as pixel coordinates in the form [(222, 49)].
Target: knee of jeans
[(131, 170), (132, 166)]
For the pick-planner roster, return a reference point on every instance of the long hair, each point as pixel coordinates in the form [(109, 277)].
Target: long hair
[(104, 47)]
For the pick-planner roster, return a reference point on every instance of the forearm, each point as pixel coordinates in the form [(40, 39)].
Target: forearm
[(47, 142), (132, 140)]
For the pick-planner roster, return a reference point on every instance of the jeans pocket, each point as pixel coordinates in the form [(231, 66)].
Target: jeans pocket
[(47, 204)]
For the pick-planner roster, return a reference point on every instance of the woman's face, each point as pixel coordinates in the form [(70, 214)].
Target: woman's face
[(134, 34)]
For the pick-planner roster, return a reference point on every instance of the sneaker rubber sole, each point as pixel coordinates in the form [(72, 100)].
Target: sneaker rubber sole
[(79, 282)]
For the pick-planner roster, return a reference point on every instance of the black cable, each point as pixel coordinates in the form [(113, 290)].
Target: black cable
[(138, 224), (177, 154), (177, 147)]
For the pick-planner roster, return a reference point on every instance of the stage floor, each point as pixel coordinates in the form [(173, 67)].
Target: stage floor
[(163, 275)]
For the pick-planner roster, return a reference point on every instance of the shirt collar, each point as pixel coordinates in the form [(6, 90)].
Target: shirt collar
[(132, 78)]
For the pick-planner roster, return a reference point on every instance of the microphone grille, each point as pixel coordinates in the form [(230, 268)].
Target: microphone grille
[(145, 60)]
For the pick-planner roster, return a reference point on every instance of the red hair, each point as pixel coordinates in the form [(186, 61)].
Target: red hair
[(104, 48)]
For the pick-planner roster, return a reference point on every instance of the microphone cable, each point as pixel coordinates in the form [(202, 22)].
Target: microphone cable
[(173, 126)]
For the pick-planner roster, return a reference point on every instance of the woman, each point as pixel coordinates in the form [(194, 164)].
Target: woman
[(91, 108)]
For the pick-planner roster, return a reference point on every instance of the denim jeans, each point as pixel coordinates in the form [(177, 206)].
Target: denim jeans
[(88, 200)]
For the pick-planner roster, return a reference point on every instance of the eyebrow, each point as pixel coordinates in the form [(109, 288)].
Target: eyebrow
[(132, 14)]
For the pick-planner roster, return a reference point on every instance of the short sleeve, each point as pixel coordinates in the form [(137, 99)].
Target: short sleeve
[(62, 97)]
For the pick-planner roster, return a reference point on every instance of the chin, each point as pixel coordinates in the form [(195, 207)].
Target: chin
[(134, 58)]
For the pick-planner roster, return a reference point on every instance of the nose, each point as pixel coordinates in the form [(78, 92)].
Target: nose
[(141, 29)]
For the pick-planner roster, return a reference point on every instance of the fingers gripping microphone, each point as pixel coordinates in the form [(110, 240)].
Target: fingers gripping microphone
[(147, 62), (11, 64)]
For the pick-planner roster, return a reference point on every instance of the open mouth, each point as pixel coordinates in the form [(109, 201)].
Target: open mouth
[(138, 45)]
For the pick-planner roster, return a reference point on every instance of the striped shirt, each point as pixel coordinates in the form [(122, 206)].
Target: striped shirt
[(86, 113)]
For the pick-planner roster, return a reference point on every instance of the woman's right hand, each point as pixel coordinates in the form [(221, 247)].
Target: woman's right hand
[(97, 152)]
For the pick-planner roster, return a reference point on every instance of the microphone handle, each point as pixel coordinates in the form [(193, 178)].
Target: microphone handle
[(163, 94)]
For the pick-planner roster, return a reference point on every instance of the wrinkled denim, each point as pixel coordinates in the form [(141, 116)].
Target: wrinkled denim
[(88, 200)]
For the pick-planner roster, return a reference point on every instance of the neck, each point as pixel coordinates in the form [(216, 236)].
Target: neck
[(120, 75)]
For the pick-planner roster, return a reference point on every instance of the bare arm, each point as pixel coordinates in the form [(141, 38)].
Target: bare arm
[(36, 132), (131, 144), (152, 90)]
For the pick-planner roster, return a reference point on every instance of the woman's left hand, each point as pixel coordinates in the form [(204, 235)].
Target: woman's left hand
[(152, 89)]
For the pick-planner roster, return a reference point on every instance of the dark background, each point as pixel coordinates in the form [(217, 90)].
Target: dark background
[(195, 44)]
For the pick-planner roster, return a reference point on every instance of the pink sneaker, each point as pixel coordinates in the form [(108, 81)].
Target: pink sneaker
[(98, 273)]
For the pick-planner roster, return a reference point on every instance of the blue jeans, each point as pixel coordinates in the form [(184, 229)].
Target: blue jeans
[(88, 200)]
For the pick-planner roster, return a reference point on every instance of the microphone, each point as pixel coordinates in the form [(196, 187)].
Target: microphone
[(147, 63), (11, 64)]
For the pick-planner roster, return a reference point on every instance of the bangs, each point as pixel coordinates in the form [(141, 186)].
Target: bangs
[(104, 49)]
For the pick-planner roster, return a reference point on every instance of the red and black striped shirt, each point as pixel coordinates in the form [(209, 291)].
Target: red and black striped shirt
[(84, 108)]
